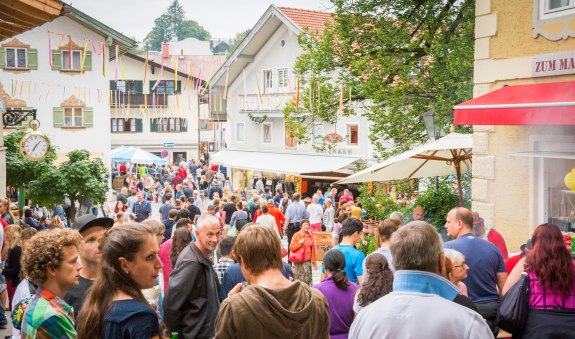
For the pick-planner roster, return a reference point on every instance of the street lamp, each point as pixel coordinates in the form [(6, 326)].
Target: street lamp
[(432, 127), (433, 130)]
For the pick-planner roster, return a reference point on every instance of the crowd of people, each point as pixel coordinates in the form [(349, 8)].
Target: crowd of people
[(213, 265)]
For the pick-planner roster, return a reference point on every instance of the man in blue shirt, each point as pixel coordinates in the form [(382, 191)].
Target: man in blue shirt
[(352, 231), (487, 273), (142, 209), (295, 212)]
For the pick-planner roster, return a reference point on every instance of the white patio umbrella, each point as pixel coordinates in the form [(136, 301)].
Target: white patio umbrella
[(448, 155), (138, 156), (120, 150)]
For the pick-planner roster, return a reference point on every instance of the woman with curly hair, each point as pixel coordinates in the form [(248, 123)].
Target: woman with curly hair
[(339, 292), (551, 271), (182, 238), (115, 306), (379, 281)]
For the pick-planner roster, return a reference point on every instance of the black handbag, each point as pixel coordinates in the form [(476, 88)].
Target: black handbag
[(514, 306)]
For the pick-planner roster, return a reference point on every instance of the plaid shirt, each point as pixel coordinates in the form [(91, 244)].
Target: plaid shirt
[(222, 266), (48, 316)]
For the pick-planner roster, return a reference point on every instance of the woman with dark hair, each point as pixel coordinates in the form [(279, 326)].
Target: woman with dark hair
[(115, 306), (121, 208), (551, 271), (339, 292), (379, 281), (182, 238)]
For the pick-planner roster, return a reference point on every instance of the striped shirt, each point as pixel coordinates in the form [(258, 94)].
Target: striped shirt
[(48, 316)]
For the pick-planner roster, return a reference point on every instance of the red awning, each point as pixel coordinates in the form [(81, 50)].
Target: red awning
[(536, 104)]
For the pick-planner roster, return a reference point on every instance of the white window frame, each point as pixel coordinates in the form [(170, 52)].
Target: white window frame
[(285, 83), (16, 49), (264, 133), (315, 139), (268, 83), (75, 111), (348, 134), (243, 139), (65, 61), (546, 13)]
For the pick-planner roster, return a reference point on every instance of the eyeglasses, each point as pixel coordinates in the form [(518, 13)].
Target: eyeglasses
[(464, 264)]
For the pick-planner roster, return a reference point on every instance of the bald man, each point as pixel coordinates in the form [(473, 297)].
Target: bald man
[(417, 214)]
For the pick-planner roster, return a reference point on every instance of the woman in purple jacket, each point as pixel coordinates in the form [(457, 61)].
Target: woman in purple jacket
[(339, 292)]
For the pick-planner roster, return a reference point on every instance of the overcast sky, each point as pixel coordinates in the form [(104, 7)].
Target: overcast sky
[(222, 18)]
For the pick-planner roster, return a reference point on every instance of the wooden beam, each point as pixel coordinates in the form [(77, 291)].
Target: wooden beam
[(7, 14), (27, 11), (431, 157), (8, 33), (47, 6)]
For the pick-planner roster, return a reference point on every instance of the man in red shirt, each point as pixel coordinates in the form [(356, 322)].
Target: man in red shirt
[(489, 234), (346, 196), (182, 172), (123, 169), (511, 262), (277, 214)]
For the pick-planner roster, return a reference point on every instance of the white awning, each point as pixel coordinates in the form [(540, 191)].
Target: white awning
[(543, 154), (285, 163)]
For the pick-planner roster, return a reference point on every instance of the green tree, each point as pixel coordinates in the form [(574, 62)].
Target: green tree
[(238, 40), (173, 23), (78, 178), (404, 58), (19, 170)]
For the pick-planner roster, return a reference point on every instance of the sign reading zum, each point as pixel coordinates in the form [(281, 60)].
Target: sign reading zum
[(169, 144), (553, 64)]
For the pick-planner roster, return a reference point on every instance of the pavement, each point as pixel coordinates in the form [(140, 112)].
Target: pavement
[(7, 332)]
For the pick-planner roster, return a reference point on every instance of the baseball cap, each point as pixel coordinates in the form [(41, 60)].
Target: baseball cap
[(86, 221)]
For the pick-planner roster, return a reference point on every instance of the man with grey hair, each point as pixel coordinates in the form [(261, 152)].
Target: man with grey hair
[(421, 301), (191, 303), (397, 215)]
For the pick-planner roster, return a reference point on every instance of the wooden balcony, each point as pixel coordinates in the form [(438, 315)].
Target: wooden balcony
[(137, 100)]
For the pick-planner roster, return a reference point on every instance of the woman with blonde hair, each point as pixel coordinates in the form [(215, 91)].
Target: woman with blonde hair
[(11, 269), (56, 223), (7, 211)]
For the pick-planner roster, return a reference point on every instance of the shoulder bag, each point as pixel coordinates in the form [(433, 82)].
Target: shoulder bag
[(297, 255), (514, 307)]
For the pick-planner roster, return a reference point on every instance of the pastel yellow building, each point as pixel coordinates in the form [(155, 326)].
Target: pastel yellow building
[(524, 136)]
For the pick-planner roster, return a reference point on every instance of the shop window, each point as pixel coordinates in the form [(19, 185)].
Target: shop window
[(240, 132), (352, 134), (267, 133), (268, 80)]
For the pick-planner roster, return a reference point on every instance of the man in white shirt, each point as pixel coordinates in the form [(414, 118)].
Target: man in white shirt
[(268, 220), (315, 212), (421, 304)]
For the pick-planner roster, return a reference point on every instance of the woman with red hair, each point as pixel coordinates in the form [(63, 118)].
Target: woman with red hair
[(551, 272)]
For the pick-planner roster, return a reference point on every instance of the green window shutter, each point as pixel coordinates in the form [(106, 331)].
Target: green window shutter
[(139, 127), (88, 117), (179, 87), (153, 125), (88, 61), (32, 58), (58, 117), (56, 60), (139, 86), (152, 82), (2, 57), (112, 85), (183, 125)]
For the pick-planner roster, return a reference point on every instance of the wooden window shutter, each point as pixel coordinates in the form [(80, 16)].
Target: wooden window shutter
[(88, 117), (32, 58), (88, 61), (139, 127), (56, 60), (2, 57), (183, 125), (113, 85), (58, 117)]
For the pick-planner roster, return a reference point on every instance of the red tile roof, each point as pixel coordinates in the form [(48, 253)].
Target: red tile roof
[(312, 21)]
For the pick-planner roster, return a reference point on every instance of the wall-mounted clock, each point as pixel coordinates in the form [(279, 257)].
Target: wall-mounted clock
[(35, 145)]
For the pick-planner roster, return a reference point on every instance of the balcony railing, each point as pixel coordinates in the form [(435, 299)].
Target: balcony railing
[(136, 100), (272, 103)]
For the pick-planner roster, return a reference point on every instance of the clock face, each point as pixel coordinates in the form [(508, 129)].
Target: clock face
[(34, 146)]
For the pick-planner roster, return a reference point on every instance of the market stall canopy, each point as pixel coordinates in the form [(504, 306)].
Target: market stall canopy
[(120, 150), (534, 104), (286, 163), (448, 155), (138, 156)]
